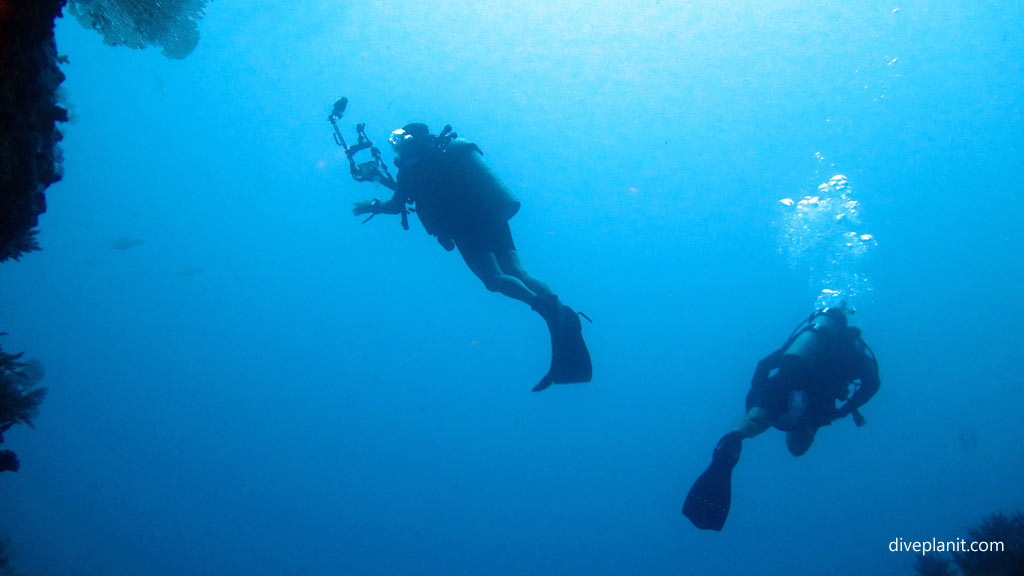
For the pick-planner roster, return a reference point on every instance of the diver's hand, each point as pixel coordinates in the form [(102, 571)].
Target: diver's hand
[(848, 410), (366, 207), (839, 413)]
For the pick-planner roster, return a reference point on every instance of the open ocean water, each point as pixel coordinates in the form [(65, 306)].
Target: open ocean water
[(246, 380)]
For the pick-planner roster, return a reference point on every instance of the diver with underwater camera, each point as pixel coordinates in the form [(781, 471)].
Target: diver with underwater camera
[(466, 206)]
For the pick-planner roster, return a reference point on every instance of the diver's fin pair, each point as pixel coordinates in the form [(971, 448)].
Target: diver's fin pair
[(570, 360), (707, 504)]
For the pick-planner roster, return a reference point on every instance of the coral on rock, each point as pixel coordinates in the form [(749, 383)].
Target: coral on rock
[(170, 24), (1008, 530), (1006, 559), (6, 566), (20, 396)]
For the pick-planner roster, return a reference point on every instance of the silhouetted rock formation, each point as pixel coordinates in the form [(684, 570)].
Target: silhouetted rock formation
[(29, 77), (29, 157)]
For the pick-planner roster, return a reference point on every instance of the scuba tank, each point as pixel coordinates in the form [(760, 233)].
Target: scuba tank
[(486, 194), (810, 353), (813, 342), (454, 189)]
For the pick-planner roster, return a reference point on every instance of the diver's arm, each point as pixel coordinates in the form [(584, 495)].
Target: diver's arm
[(396, 205), (387, 181), (869, 385), (766, 365)]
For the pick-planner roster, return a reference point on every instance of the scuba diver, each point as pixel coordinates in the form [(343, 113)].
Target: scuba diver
[(794, 389), (462, 203)]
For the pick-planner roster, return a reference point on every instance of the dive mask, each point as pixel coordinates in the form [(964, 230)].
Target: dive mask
[(398, 139)]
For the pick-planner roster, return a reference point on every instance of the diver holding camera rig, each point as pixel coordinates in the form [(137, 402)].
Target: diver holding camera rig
[(461, 202)]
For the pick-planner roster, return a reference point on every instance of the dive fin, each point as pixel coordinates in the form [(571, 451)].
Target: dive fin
[(707, 504), (570, 359)]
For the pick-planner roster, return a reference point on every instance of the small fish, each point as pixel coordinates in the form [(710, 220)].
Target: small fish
[(125, 243), (188, 270)]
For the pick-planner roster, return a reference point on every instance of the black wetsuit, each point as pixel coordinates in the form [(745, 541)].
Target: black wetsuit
[(840, 359), (459, 199), (820, 359), (464, 204)]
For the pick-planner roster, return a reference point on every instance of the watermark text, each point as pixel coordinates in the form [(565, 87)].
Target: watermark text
[(923, 547)]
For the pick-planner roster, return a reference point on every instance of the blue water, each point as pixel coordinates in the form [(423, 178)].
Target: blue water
[(266, 386)]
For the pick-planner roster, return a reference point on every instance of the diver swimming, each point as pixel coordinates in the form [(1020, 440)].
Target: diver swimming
[(794, 389), (466, 206)]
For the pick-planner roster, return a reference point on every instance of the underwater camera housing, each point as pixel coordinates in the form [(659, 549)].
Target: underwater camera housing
[(372, 170), (339, 109)]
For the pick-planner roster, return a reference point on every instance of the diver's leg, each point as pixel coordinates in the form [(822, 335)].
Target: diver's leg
[(754, 422), (799, 441), (510, 264), (707, 503), (497, 238), (764, 402), (818, 412), (486, 268)]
